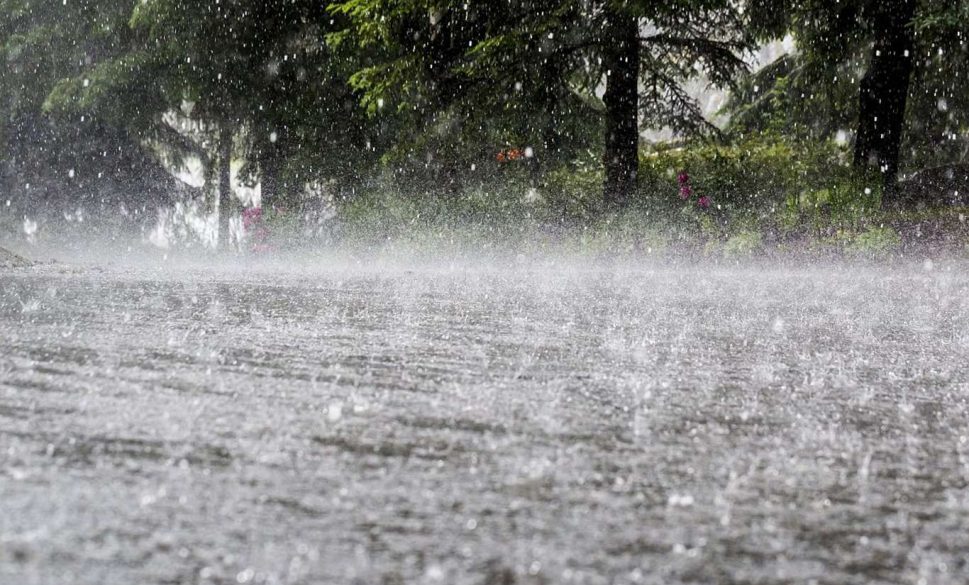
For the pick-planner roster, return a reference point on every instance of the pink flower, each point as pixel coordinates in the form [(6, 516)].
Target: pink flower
[(254, 224), (704, 202), (251, 216), (685, 192), (683, 178)]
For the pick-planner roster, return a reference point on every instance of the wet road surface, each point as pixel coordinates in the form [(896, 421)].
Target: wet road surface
[(485, 426)]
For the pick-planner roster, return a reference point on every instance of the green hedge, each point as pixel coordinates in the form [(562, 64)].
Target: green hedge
[(762, 191), (763, 182)]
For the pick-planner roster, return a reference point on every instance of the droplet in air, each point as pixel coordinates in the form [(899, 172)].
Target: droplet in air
[(778, 325), (30, 229), (680, 500)]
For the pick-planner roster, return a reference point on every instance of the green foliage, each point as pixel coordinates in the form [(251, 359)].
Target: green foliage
[(260, 68), (875, 242), (763, 178), (572, 192), (813, 94), (785, 98), (744, 244), (836, 205), (455, 78), (414, 98), (55, 159)]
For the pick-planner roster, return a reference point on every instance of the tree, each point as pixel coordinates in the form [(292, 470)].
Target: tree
[(63, 162), (937, 122), (883, 91), (438, 56), (255, 76), (450, 87), (621, 99), (907, 109)]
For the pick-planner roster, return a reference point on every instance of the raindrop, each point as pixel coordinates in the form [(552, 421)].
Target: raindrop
[(778, 325)]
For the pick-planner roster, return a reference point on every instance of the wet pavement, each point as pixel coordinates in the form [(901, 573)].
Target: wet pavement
[(485, 425)]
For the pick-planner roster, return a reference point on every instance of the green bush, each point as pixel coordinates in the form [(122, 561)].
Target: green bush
[(765, 191), (574, 193), (767, 181), (876, 242), (745, 243)]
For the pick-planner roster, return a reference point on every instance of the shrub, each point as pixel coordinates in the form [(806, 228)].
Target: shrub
[(765, 180), (876, 242), (733, 198), (574, 193), (745, 243)]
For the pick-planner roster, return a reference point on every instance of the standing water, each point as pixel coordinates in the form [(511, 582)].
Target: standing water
[(475, 425)]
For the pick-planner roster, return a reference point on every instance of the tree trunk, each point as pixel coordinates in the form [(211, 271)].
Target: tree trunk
[(269, 180), (275, 192), (621, 59), (551, 101), (884, 93), (226, 208)]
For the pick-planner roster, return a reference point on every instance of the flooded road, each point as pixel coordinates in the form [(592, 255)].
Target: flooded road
[(485, 426)]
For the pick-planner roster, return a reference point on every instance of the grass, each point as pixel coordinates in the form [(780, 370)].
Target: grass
[(770, 198), (508, 221)]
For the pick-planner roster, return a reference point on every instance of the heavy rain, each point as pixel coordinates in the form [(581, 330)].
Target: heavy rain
[(485, 293)]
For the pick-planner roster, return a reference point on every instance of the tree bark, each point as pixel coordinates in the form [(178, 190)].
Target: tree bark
[(275, 191), (621, 155), (226, 208), (884, 92), (269, 180), (551, 134)]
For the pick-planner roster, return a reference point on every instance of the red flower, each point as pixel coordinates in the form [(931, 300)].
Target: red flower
[(704, 202), (251, 216), (510, 154)]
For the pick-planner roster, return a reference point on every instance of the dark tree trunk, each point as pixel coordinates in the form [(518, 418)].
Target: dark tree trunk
[(884, 92), (269, 180), (551, 133), (226, 208), (621, 59), (272, 156)]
